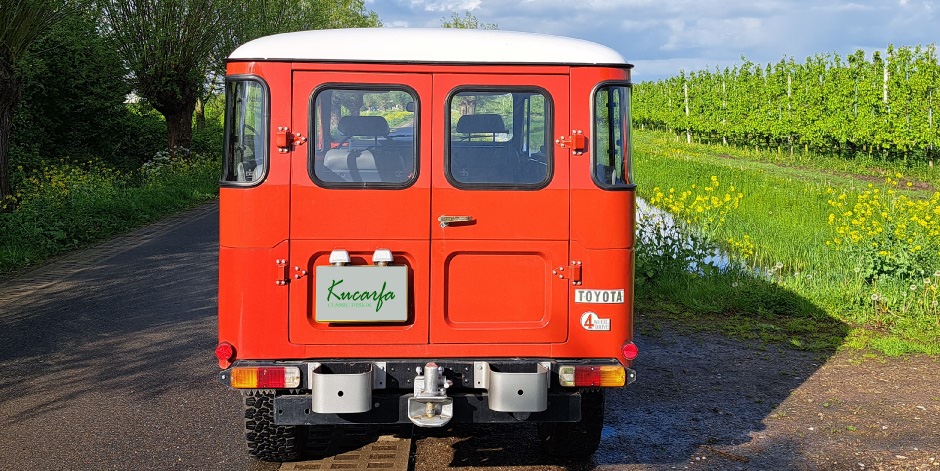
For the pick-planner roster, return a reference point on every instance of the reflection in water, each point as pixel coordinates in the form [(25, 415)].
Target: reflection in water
[(658, 230)]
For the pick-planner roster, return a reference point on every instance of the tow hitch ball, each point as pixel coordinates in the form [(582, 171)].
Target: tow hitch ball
[(430, 406)]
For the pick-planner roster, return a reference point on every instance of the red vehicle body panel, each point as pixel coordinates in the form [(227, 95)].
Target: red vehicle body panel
[(495, 288)]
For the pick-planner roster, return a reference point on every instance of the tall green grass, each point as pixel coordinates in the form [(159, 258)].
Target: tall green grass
[(65, 206), (789, 280)]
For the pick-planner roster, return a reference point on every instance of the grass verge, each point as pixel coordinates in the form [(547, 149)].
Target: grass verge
[(64, 207), (784, 280)]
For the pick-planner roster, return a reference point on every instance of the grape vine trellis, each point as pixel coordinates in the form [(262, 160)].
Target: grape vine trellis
[(883, 105)]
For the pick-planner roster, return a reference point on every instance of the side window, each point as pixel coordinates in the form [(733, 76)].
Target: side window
[(612, 147), (499, 138), (246, 132), (364, 137)]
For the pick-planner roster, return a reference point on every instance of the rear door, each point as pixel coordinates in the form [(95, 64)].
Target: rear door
[(500, 209), (360, 183)]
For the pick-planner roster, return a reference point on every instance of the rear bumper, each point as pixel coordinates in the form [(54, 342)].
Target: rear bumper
[(403, 391), (390, 408)]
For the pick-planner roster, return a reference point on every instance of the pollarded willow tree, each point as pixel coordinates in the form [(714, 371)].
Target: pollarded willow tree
[(21, 23), (174, 48), (166, 44), (266, 17)]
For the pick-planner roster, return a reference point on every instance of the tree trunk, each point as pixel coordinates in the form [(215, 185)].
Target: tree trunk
[(6, 121), (179, 125), (200, 115), (9, 89)]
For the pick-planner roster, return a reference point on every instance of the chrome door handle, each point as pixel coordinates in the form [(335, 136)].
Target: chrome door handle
[(448, 220)]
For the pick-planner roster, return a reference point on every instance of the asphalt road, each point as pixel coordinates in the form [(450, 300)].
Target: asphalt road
[(106, 357), (106, 362)]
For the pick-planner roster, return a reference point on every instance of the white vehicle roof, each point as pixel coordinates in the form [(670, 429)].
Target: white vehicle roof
[(427, 45)]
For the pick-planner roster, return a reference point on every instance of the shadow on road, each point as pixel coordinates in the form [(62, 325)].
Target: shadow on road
[(124, 325), (695, 392), (697, 396)]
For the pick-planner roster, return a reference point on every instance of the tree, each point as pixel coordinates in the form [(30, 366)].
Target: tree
[(467, 22), (279, 16), (266, 17), (72, 102), (21, 23), (172, 46), (166, 44)]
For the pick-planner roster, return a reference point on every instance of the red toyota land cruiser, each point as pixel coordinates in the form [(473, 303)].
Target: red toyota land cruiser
[(425, 226)]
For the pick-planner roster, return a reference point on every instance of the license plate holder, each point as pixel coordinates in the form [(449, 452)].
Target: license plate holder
[(361, 294)]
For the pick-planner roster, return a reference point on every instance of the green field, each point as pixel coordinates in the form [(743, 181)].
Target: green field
[(821, 255)]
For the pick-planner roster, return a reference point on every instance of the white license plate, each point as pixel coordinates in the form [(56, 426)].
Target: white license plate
[(361, 294)]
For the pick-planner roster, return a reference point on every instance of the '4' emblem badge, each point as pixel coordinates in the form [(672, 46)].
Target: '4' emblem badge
[(590, 321)]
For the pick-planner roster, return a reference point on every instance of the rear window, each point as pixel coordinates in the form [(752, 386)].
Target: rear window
[(364, 137), (499, 139)]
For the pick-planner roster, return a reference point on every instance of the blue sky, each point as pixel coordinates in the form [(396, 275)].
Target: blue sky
[(662, 37)]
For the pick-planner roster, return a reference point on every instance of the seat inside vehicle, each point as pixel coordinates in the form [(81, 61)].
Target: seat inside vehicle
[(364, 154), (476, 154)]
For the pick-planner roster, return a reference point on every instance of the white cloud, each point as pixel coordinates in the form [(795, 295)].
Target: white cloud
[(633, 26), (845, 7), (664, 36), (713, 33), (446, 5), (651, 70)]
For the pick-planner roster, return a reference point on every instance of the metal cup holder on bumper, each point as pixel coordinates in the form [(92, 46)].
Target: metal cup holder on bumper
[(341, 389), (515, 387), (432, 393)]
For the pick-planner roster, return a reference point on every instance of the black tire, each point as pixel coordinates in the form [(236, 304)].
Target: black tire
[(576, 439), (267, 441)]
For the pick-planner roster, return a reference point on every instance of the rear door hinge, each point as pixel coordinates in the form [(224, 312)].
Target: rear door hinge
[(285, 141), (577, 142), (281, 276), (571, 272)]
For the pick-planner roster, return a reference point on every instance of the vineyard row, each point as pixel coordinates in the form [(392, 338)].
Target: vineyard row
[(883, 104)]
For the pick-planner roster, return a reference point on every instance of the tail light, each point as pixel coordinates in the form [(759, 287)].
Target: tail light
[(265, 377), (603, 376)]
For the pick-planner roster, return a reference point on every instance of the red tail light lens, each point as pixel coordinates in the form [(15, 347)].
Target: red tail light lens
[(583, 376), (260, 377), (587, 376)]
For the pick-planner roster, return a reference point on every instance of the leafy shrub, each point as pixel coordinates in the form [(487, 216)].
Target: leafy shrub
[(66, 205), (887, 234), (73, 103), (685, 233)]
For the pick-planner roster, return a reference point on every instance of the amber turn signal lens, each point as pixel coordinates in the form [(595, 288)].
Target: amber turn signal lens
[(582, 376), (272, 377)]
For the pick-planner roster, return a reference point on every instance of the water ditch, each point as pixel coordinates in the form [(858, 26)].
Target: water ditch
[(658, 230)]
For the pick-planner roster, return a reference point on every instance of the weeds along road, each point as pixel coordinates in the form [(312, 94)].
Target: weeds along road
[(106, 362)]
